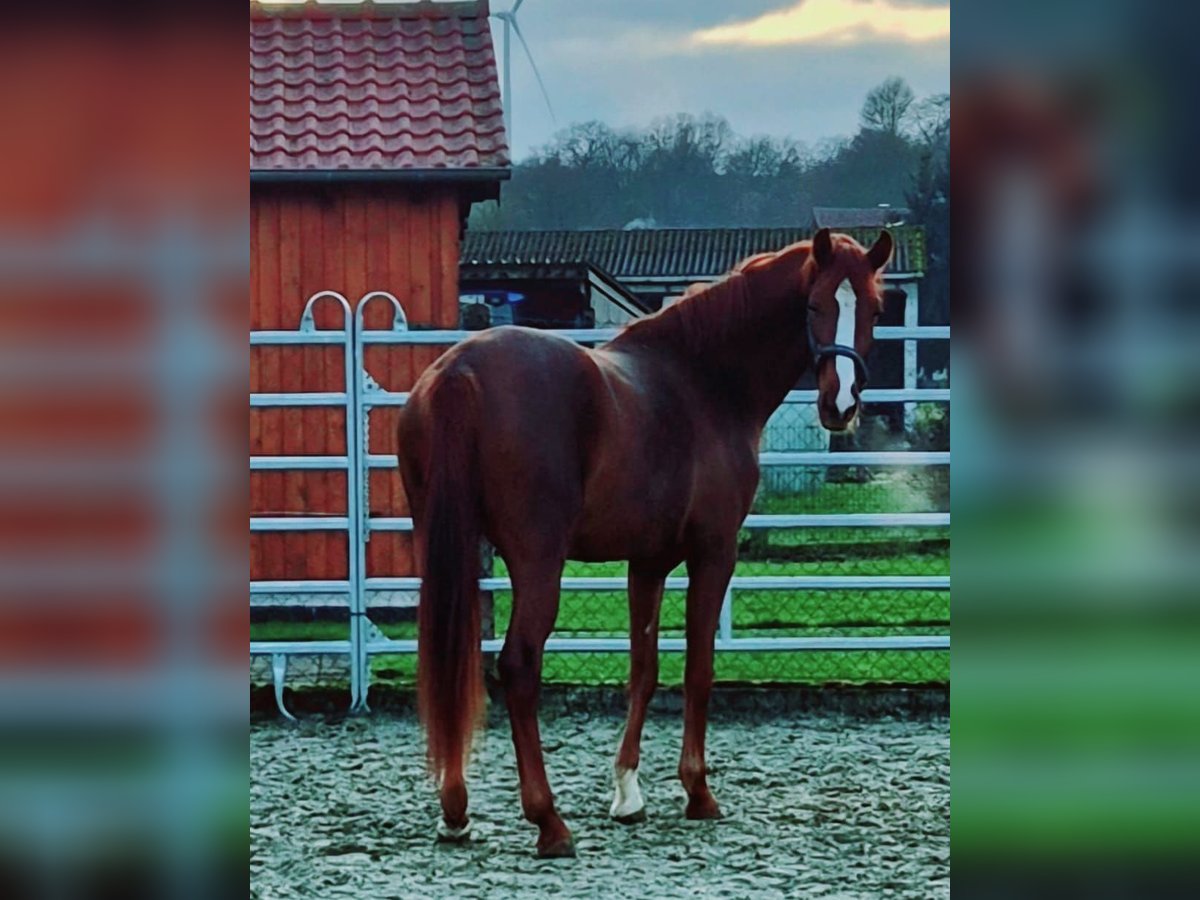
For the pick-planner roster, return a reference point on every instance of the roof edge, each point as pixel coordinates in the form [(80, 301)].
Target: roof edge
[(611, 282), (398, 176), (661, 254), (682, 228), (367, 9)]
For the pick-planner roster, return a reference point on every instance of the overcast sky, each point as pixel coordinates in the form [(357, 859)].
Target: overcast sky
[(777, 67)]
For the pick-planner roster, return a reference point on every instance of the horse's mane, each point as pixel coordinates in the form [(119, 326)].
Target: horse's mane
[(709, 314)]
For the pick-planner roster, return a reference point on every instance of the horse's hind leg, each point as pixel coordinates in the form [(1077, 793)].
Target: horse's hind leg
[(535, 607), (454, 827), (708, 576), (645, 599)]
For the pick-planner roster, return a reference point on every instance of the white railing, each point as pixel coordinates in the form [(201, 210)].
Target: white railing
[(362, 394)]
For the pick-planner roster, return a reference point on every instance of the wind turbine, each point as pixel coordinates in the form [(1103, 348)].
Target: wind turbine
[(511, 26)]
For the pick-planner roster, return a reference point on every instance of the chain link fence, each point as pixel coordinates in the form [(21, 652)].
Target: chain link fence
[(769, 613)]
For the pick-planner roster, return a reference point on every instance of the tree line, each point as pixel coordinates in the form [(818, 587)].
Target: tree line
[(694, 171)]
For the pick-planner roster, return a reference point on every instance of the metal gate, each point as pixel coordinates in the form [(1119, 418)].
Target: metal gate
[(362, 394)]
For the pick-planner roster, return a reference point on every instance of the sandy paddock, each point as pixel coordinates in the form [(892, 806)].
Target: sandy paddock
[(816, 805)]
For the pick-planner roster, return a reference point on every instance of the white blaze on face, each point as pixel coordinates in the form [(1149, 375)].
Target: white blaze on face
[(844, 366)]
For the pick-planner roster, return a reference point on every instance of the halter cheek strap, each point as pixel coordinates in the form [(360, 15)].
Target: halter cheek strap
[(821, 351)]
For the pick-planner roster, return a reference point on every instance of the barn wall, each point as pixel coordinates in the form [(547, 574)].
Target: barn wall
[(351, 240)]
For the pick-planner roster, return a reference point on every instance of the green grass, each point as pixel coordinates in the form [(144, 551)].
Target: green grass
[(893, 491), (756, 613), (739, 667)]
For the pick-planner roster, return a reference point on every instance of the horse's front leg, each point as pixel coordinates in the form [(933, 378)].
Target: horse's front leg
[(708, 577), (535, 607), (645, 599)]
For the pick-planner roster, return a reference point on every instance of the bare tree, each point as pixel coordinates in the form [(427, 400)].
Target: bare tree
[(931, 118), (584, 144), (705, 139), (757, 157), (887, 106)]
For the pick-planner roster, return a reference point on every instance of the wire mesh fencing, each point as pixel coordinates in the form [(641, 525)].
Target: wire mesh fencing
[(769, 602), (881, 559)]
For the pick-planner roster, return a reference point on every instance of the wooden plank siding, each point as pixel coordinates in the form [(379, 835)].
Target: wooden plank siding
[(351, 239)]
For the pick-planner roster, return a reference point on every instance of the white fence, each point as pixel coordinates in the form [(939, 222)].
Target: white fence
[(362, 394)]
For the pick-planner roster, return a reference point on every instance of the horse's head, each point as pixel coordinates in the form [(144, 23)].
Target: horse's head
[(844, 302)]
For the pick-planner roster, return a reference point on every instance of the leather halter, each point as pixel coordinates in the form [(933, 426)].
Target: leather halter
[(821, 351)]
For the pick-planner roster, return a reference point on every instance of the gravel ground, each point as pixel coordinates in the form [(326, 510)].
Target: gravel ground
[(816, 805)]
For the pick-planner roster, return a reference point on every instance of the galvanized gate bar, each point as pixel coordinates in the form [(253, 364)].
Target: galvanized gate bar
[(284, 586), (276, 463), (323, 398), (365, 388), (305, 338), (354, 648), (299, 523)]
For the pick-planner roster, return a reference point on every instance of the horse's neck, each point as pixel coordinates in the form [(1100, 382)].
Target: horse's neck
[(767, 357), (774, 361)]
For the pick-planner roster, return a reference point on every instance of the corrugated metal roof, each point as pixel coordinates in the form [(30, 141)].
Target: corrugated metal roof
[(402, 86), (665, 252)]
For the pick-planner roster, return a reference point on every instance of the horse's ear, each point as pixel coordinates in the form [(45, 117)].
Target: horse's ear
[(881, 252), (822, 248)]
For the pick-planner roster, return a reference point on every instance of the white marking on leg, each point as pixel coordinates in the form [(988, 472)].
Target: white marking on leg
[(453, 834), (628, 798), (846, 327)]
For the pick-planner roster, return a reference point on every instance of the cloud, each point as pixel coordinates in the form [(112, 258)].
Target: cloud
[(834, 22), (659, 70)]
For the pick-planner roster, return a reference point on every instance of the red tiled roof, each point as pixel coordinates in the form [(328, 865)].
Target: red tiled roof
[(406, 86)]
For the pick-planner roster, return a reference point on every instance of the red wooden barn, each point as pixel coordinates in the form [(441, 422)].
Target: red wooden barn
[(373, 128)]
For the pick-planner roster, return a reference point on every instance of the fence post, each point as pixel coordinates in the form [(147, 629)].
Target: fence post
[(725, 622), (487, 604), (364, 386), (353, 496), (912, 313)]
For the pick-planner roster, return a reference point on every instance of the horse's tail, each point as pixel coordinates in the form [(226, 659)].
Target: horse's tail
[(450, 689)]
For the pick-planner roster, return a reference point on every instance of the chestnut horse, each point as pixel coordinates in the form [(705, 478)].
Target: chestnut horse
[(644, 449)]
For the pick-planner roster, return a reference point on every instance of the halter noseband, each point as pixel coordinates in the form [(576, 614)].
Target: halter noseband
[(821, 351)]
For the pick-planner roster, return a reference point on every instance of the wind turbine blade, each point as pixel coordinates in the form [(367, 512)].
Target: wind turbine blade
[(538, 75), (516, 6)]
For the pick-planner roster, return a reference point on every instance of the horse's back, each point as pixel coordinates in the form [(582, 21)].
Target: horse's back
[(598, 455)]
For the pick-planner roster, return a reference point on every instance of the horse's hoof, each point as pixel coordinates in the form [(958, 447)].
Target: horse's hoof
[(447, 834), (703, 809), (632, 818), (562, 849)]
